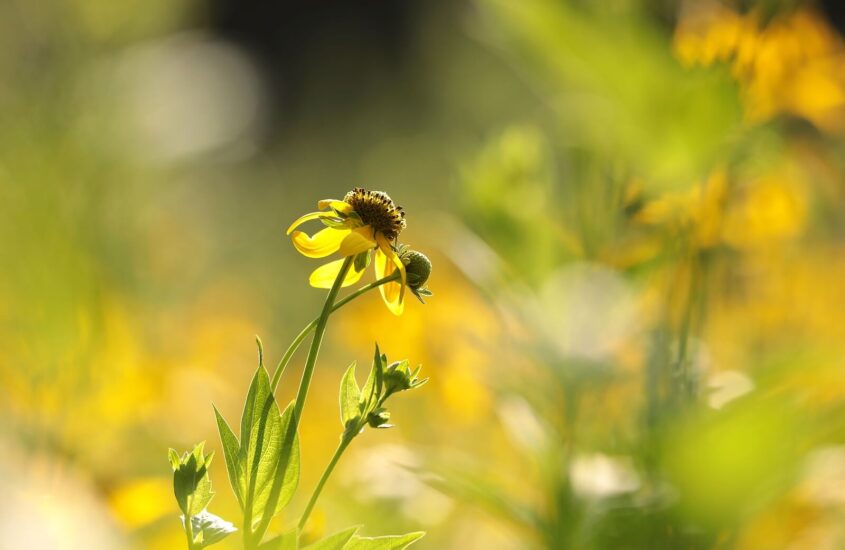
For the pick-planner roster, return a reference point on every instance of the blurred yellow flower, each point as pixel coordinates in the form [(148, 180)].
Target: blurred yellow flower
[(793, 64), (698, 210), (139, 502), (362, 221), (769, 210)]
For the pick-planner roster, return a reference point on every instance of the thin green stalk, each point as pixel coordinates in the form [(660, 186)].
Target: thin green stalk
[(349, 434), (189, 526), (344, 442), (283, 363), (319, 331), (189, 533), (319, 327)]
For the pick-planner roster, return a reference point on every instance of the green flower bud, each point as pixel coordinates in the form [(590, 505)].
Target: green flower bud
[(417, 270), (417, 267), (379, 418), (399, 377)]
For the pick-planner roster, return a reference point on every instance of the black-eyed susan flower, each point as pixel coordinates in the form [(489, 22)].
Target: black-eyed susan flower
[(362, 222)]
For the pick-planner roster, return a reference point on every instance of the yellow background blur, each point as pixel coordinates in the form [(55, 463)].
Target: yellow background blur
[(635, 214)]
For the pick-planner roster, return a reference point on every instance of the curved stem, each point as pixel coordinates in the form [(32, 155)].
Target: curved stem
[(283, 363), (344, 442), (319, 331)]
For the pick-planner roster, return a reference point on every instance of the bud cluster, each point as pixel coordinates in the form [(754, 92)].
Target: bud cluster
[(365, 406)]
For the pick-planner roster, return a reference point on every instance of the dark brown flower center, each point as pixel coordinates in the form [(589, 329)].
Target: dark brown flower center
[(377, 210)]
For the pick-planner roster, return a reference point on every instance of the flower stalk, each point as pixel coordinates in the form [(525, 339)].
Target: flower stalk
[(283, 362), (365, 407), (314, 351)]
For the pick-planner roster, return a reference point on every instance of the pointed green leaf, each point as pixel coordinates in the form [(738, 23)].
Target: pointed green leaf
[(184, 482), (396, 542), (350, 396), (174, 459), (209, 529), (231, 450), (377, 372), (333, 542), (287, 470), (261, 442), (259, 402), (260, 345), (264, 467), (372, 389), (202, 495), (191, 484)]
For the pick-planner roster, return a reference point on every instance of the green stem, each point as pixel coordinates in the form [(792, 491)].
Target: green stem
[(283, 363), (189, 533), (189, 526), (319, 327), (319, 331), (344, 442), (249, 538)]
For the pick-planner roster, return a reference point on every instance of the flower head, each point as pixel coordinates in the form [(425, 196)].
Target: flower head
[(377, 210), (362, 222)]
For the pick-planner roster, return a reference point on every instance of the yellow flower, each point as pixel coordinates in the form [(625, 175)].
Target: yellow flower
[(791, 64), (362, 222)]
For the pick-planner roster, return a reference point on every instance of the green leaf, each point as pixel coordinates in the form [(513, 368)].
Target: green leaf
[(350, 397), (231, 450), (372, 391), (174, 459), (202, 495), (362, 260), (378, 368), (191, 484), (184, 482), (395, 542), (333, 542), (286, 541), (287, 471), (209, 529), (260, 345), (260, 444), (268, 457)]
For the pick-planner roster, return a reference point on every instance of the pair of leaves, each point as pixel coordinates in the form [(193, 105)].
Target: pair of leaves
[(192, 487), (355, 403), (263, 466), (360, 406), (191, 484)]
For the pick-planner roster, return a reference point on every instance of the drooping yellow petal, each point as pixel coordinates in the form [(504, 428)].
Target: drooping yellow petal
[(325, 275), (382, 265), (386, 263), (305, 218), (335, 204), (323, 243), (359, 240)]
